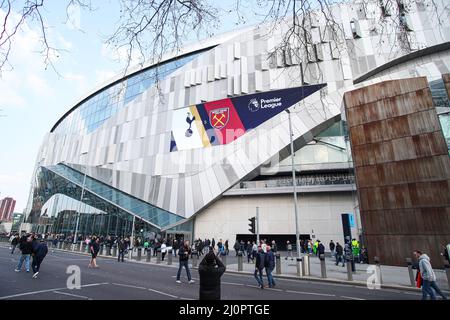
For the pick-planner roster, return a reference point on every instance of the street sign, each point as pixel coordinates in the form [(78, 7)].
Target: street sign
[(351, 219)]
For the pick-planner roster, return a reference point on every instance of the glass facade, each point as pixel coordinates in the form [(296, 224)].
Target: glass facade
[(66, 201), (442, 103), (92, 113)]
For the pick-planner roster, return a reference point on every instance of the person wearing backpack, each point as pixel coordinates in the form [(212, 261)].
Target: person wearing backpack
[(259, 267), (269, 264)]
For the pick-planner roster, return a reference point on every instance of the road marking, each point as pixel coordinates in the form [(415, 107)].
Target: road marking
[(232, 283), (49, 290), (273, 289), (163, 293), (129, 286), (311, 293), (352, 298), (72, 295)]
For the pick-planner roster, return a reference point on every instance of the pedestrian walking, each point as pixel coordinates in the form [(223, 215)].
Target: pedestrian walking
[(210, 270), (332, 248), (227, 251), (39, 252), (428, 277), (236, 247), (249, 251), (289, 250), (122, 246), (339, 254), (26, 249), (269, 265), (163, 250), (274, 247), (94, 248), (320, 248), (14, 242), (184, 253), (259, 267)]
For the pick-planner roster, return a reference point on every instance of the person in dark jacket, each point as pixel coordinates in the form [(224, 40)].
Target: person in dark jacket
[(184, 252), (27, 249), (320, 248), (94, 248), (259, 267), (210, 270), (14, 243), (332, 248), (123, 246), (269, 264), (39, 252), (339, 254)]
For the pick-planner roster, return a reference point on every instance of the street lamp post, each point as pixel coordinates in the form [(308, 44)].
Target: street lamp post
[(297, 234)]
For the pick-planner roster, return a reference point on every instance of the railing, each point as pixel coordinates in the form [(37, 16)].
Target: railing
[(310, 180)]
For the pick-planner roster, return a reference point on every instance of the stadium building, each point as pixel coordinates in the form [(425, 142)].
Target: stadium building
[(199, 154)]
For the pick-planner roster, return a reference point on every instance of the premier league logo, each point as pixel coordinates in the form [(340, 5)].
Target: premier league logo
[(218, 118), (253, 105)]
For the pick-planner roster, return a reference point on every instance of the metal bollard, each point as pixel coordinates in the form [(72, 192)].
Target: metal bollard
[(349, 271), (224, 260), (79, 246), (101, 249), (240, 261), (83, 247), (300, 267), (158, 257), (306, 266), (149, 256), (323, 267), (108, 250), (410, 271), (139, 254), (378, 268), (169, 257), (59, 244), (278, 263), (114, 250), (194, 261), (447, 272)]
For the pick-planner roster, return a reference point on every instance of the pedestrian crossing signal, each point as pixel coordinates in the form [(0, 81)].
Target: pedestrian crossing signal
[(252, 225)]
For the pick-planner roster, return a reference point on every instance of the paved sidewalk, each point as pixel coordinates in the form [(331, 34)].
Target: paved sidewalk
[(391, 276)]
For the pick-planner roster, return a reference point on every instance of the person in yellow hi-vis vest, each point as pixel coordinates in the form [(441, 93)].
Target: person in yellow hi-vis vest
[(356, 250)]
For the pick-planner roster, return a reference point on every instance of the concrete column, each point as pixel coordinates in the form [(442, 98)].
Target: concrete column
[(323, 267), (411, 272), (278, 263), (306, 265), (158, 257), (240, 261), (349, 271), (300, 267)]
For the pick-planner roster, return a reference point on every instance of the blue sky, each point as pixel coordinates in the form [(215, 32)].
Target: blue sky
[(33, 98)]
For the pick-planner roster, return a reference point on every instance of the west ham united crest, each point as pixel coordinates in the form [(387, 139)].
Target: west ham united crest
[(219, 117)]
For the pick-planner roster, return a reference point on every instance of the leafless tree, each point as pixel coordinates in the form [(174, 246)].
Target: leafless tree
[(150, 28)]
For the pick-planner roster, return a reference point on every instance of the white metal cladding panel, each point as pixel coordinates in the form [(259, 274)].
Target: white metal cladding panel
[(174, 196), (189, 204), (161, 191)]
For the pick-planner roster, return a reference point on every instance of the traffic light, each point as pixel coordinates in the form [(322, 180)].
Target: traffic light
[(252, 225)]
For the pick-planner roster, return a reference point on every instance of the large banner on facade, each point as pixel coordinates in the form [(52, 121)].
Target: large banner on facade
[(223, 121)]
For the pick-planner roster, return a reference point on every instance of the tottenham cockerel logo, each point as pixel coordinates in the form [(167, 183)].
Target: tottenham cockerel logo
[(219, 117)]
